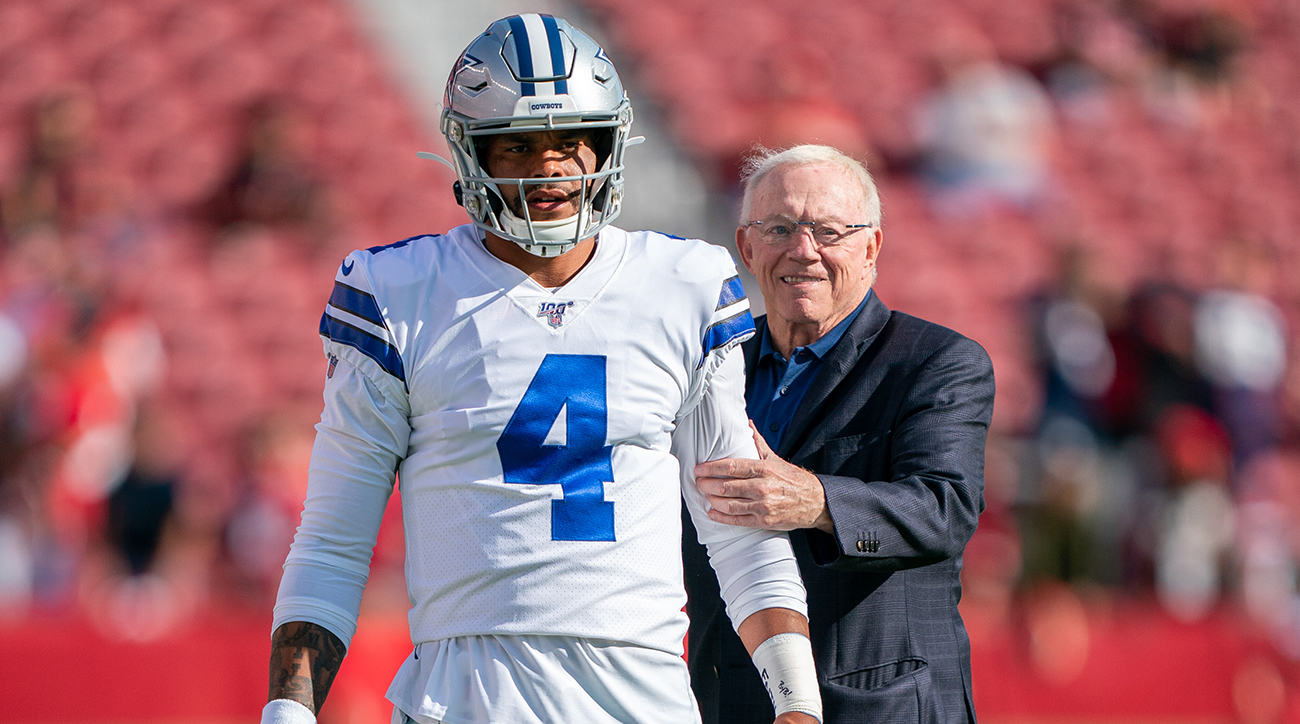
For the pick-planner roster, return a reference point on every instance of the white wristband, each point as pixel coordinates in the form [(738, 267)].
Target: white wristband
[(286, 711), (785, 663)]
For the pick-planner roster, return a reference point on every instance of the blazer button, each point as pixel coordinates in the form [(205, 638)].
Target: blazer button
[(868, 542)]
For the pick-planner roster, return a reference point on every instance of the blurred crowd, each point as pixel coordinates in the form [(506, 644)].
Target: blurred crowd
[(178, 182), (160, 374), (1165, 462), (132, 488)]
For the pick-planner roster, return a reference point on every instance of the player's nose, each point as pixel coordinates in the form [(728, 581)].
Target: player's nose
[(552, 163)]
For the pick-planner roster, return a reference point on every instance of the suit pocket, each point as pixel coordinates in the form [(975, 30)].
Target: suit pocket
[(899, 691), (877, 677), (850, 451)]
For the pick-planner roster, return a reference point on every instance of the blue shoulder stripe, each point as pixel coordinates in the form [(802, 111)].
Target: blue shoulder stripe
[(354, 301), (732, 291), (727, 330), (396, 244), (368, 344)]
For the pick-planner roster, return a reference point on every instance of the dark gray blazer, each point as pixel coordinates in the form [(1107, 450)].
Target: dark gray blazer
[(894, 426)]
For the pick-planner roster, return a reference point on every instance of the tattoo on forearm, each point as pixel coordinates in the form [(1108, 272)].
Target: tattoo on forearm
[(304, 659)]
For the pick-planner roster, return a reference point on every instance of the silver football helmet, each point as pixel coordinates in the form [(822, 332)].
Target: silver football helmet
[(536, 73)]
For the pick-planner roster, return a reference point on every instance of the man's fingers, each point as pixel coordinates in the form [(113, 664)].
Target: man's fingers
[(730, 505), (729, 468), (739, 488), (741, 520)]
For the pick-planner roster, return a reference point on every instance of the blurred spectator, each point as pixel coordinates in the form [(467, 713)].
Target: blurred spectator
[(1195, 531), (57, 185), (1204, 41), (140, 507), (1067, 530), (985, 133), (1162, 318), (1241, 347), (1099, 50), (1268, 546), (276, 455), (1119, 497), (1195, 46), (144, 581), (273, 182), (1071, 332)]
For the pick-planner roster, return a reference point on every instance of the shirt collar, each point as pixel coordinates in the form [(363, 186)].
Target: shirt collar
[(823, 344)]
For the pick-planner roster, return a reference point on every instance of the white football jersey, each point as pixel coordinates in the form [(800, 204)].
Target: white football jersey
[(535, 435)]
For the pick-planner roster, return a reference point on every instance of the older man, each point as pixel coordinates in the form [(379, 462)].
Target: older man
[(872, 426)]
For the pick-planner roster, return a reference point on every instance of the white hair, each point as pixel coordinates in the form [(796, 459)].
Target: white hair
[(762, 161)]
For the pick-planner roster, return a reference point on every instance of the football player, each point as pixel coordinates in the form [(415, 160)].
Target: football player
[(543, 384)]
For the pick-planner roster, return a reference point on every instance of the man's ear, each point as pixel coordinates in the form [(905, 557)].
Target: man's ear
[(742, 245), (876, 244)]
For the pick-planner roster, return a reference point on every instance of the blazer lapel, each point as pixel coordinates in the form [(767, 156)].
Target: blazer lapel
[(838, 362)]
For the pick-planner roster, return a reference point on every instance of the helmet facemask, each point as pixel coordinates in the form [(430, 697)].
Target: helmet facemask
[(600, 192), (489, 93)]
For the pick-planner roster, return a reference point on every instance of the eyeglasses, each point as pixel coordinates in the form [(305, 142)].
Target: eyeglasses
[(779, 230)]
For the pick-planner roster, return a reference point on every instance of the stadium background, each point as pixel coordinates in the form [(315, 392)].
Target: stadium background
[(1104, 193)]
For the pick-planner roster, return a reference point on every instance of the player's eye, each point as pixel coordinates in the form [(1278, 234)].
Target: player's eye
[(779, 230)]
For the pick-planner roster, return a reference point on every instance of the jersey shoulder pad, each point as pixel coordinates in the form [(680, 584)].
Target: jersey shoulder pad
[(692, 261), (400, 263), (708, 273), (357, 319)]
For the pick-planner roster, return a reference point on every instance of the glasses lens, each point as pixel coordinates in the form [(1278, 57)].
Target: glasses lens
[(780, 230)]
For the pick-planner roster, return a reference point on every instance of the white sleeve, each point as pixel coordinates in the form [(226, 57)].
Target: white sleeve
[(756, 568), (361, 438)]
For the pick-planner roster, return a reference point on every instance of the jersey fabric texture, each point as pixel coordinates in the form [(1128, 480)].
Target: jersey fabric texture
[(536, 436)]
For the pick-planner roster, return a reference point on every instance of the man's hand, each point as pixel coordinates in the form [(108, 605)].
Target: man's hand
[(767, 493), (795, 717)]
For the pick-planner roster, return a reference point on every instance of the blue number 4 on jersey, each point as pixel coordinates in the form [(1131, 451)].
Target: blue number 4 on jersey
[(581, 466)]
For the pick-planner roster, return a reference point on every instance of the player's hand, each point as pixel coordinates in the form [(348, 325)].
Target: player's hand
[(767, 493), (795, 717)]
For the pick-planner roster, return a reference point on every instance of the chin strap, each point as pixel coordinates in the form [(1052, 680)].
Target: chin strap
[(558, 236)]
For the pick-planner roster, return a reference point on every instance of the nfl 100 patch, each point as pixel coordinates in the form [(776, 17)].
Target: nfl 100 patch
[(554, 312)]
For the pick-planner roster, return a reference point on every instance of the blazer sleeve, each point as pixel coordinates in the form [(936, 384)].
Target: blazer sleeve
[(927, 509)]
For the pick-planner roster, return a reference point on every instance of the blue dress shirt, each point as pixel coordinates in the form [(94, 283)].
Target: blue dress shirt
[(780, 384)]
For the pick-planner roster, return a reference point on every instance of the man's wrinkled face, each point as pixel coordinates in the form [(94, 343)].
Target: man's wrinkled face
[(539, 155), (810, 279)]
